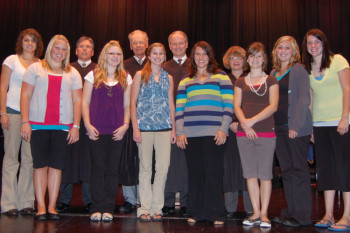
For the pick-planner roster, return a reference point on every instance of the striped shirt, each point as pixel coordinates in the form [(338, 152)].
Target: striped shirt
[(204, 107)]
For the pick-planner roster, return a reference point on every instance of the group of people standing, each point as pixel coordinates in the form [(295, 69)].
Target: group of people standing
[(178, 126)]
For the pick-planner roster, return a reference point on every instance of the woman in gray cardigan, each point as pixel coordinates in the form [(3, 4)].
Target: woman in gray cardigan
[(293, 127)]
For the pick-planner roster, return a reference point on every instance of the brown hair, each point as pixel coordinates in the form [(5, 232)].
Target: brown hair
[(234, 51), (147, 69), (255, 48), (36, 37), (327, 54), (212, 65)]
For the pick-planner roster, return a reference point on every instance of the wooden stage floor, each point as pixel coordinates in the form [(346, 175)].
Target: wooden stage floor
[(77, 221)]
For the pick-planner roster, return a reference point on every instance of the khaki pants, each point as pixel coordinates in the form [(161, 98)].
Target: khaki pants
[(16, 194), (152, 198)]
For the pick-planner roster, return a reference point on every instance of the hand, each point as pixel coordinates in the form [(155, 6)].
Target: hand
[(181, 141), (292, 134), (312, 139), (220, 138), (5, 122), (343, 126), (173, 137), (250, 132), (26, 132), (119, 133), (234, 127), (92, 132), (247, 123), (73, 135), (137, 136)]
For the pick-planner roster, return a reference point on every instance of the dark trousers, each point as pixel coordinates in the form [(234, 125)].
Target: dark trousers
[(105, 158), (292, 157), (66, 193), (332, 152), (205, 179), (169, 199)]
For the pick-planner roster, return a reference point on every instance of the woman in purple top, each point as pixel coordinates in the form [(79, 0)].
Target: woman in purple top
[(106, 115)]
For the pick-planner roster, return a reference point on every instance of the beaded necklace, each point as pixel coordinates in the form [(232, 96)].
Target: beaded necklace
[(252, 88)]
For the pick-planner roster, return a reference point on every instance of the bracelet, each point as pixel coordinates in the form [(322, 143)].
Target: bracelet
[(126, 123), (5, 113), (346, 117), (25, 122), (76, 126)]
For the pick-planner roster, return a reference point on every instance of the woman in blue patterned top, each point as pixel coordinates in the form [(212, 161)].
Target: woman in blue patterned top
[(153, 116)]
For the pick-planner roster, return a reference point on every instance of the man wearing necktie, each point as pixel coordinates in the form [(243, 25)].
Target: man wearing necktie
[(129, 170), (178, 67), (78, 163)]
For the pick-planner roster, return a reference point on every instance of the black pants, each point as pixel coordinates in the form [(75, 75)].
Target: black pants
[(332, 152), (292, 157), (205, 179), (105, 158)]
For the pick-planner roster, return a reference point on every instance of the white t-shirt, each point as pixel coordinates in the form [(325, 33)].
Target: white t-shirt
[(91, 78), (15, 84)]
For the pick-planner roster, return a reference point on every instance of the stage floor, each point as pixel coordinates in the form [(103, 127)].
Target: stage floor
[(76, 220)]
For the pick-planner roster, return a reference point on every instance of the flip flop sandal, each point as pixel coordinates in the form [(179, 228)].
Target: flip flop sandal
[(157, 217), (144, 218), (95, 217), (324, 223), (107, 217)]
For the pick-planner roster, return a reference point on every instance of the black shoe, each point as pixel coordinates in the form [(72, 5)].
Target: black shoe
[(230, 215), (165, 210), (172, 210), (61, 207), (87, 207), (183, 211), (278, 220), (41, 217), (127, 207), (291, 222), (27, 211), (12, 212), (52, 216)]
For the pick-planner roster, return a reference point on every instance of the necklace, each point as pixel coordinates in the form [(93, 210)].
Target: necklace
[(109, 92), (252, 88)]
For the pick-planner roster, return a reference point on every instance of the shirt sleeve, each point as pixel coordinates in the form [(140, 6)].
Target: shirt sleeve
[(31, 73), (90, 77), (181, 100), (76, 79), (226, 90), (10, 62), (339, 63), (129, 79)]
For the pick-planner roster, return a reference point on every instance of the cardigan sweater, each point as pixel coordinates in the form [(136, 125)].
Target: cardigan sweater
[(299, 114)]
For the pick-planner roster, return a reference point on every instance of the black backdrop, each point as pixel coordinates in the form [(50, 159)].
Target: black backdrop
[(222, 23)]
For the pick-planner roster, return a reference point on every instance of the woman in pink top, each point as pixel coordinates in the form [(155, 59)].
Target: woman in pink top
[(51, 113)]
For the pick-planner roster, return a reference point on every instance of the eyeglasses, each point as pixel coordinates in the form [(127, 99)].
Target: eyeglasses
[(236, 58), (114, 54)]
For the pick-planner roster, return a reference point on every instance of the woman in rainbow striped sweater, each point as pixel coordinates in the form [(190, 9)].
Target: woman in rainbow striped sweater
[(204, 109)]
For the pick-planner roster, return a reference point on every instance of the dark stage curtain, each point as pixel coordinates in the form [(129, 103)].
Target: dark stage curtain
[(222, 23)]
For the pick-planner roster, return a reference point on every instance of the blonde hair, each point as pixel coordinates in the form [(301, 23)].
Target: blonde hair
[(147, 69), (295, 53), (234, 51), (47, 62), (101, 69)]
